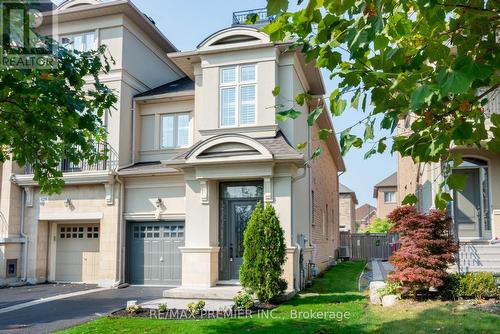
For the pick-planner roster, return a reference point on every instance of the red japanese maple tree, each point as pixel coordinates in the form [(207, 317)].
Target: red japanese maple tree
[(426, 249)]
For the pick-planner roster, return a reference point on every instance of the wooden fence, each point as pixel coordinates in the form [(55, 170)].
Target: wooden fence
[(367, 246)]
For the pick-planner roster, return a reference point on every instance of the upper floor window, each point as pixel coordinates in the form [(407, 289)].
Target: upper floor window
[(82, 42), (237, 95), (390, 197), (174, 130)]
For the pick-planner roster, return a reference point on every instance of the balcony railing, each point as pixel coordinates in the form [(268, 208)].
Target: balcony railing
[(241, 16), (67, 166)]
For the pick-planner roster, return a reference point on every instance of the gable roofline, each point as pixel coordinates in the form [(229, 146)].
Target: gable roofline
[(185, 60), (126, 7), (343, 189), (390, 181)]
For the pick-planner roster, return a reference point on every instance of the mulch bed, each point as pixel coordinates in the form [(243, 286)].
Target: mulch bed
[(182, 314)]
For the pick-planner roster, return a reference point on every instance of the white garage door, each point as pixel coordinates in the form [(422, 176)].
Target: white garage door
[(77, 252)]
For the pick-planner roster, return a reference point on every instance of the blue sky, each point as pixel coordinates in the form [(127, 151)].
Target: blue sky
[(187, 22)]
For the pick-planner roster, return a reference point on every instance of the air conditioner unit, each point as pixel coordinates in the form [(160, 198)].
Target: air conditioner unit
[(345, 252)]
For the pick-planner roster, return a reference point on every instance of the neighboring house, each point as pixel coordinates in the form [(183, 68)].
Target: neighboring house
[(347, 209), (365, 214), (386, 193), (195, 147), (475, 210)]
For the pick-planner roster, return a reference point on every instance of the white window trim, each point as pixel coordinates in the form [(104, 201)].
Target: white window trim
[(83, 33), (393, 195), (237, 85), (176, 130)]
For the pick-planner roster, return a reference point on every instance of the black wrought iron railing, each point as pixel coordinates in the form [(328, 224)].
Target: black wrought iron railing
[(241, 17), (66, 166)]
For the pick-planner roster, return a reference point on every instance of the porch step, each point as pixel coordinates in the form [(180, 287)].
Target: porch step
[(218, 292), (479, 257)]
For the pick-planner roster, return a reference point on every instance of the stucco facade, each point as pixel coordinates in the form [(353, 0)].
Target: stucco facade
[(172, 208)]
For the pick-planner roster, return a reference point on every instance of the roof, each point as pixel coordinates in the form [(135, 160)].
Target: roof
[(364, 211), (114, 7), (390, 181), (346, 190), (180, 85), (147, 167)]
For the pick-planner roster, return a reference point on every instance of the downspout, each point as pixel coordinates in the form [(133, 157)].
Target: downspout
[(25, 237)]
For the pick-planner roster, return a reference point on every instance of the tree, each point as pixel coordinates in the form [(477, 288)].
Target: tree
[(379, 225), (434, 62), (426, 249), (264, 254), (49, 114)]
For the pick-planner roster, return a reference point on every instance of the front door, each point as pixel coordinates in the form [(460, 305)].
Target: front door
[(237, 202), (471, 205)]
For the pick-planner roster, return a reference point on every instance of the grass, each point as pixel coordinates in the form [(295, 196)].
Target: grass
[(335, 294)]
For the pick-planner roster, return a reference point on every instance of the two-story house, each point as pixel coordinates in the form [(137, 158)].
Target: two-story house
[(347, 209), (197, 146), (475, 210)]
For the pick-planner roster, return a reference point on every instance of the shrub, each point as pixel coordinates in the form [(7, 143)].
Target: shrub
[(470, 285), (162, 308), (450, 290), (379, 225), (478, 285), (264, 254), (133, 309), (196, 308), (426, 249), (391, 288), (243, 300)]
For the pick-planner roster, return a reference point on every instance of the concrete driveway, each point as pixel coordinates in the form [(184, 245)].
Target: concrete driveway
[(63, 313)]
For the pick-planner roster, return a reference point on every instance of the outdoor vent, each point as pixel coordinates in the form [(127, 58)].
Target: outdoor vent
[(11, 268), (344, 252)]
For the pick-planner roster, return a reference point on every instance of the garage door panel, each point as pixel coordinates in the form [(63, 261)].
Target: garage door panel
[(155, 258), (77, 252)]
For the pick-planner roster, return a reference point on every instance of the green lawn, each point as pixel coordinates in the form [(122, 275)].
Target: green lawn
[(335, 292)]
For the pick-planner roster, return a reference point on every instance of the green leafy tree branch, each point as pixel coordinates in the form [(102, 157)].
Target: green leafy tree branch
[(434, 62)]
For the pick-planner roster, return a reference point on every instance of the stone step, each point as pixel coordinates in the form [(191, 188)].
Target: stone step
[(181, 304), (219, 292)]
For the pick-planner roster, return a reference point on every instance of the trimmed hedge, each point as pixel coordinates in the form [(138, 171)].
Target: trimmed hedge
[(477, 285)]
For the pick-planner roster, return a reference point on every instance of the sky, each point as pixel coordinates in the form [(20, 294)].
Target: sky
[(187, 22)]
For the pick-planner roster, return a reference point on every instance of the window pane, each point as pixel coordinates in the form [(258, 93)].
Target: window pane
[(247, 107), (78, 43), (247, 73), (228, 106), (228, 75), (167, 131), (89, 41), (183, 130)]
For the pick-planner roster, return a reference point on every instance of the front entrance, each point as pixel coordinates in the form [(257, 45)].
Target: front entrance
[(471, 206), (237, 202)]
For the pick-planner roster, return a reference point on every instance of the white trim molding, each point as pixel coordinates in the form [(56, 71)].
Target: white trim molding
[(70, 216), (152, 216), (199, 249)]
